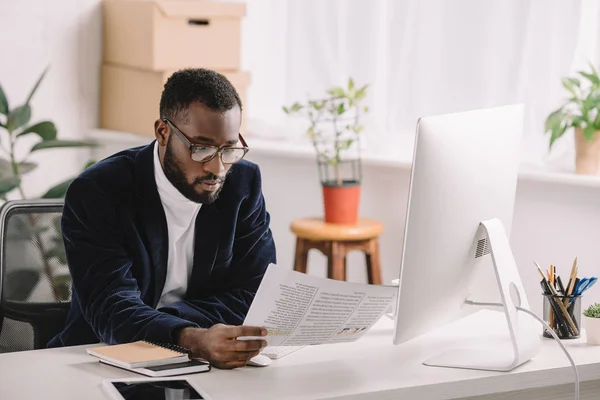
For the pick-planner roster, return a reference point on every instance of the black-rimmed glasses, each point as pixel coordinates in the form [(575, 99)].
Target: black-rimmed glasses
[(205, 153)]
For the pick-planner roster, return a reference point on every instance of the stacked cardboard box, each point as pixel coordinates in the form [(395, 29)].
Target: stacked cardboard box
[(145, 41)]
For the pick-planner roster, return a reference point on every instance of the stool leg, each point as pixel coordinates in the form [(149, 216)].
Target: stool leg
[(301, 257), (374, 262), (336, 264)]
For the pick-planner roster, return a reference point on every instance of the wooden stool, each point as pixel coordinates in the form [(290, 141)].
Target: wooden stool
[(335, 241)]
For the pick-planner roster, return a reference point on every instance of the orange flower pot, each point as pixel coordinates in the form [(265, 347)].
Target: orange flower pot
[(341, 203)]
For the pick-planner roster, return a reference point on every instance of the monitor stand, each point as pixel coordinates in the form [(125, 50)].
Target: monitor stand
[(522, 339)]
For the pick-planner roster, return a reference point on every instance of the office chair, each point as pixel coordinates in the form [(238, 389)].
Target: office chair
[(35, 284)]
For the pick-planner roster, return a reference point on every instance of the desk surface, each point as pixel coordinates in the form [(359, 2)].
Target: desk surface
[(372, 365)]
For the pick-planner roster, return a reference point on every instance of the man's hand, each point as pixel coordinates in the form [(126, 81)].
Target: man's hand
[(219, 346)]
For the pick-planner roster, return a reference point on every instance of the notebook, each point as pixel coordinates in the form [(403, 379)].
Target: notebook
[(140, 354), (182, 368), (150, 358)]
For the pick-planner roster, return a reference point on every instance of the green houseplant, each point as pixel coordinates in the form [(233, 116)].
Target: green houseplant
[(334, 129), (591, 319), (16, 124), (581, 112)]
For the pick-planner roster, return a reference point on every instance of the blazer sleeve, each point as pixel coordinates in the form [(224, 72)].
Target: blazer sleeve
[(100, 268), (253, 251)]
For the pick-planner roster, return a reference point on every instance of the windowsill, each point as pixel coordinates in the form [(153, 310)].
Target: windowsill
[(395, 154)]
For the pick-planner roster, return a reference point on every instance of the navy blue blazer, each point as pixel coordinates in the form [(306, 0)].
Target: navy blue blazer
[(115, 234)]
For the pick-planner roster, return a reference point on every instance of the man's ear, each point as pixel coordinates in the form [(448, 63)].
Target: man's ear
[(161, 131)]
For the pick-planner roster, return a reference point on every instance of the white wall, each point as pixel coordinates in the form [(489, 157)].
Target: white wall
[(64, 34)]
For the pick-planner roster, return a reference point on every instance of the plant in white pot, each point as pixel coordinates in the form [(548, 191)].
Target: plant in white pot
[(334, 129), (591, 321), (581, 112)]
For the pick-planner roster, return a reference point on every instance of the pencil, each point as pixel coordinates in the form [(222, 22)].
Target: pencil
[(572, 279)]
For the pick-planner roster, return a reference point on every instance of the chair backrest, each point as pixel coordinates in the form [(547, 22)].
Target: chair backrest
[(35, 284)]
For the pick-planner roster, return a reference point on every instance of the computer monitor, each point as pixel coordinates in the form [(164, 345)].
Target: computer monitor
[(461, 198)]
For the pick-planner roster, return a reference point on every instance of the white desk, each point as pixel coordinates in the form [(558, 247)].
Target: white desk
[(370, 368)]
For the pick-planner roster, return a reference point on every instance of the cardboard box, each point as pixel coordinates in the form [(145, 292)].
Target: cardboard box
[(130, 98), (169, 34)]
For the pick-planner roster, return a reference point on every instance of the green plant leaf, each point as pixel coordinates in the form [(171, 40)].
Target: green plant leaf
[(341, 109), (293, 108), (577, 120), (317, 105), (18, 117), (6, 169), (344, 145), (336, 92), (594, 71), (366, 109), (361, 93), (569, 86), (3, 102), (89, 164), (554, 119), (557, 132), (594, 79), (46, 130), (8, 184), (596, 122), (589, 132), (26, 167), (358, 128), (575, 82), (593, 311), (350, 84), (52, 144), (591, 102), (37, 84), (58, 191)]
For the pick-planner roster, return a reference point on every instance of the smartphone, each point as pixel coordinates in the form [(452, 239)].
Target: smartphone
[(153, 389)]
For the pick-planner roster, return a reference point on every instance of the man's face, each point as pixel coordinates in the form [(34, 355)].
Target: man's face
[(200, 182)]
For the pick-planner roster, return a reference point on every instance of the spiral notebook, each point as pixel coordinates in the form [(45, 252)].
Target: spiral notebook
[(149, 358)]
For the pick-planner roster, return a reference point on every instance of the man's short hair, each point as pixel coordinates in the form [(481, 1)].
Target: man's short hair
[(197, 85)]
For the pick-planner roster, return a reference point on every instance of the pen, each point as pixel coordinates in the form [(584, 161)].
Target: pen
[(560, 285)]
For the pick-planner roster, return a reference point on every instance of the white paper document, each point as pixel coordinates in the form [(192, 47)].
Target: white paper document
[(299, 309)]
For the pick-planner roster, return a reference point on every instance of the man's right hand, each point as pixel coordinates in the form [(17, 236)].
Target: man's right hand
[(219, 345)]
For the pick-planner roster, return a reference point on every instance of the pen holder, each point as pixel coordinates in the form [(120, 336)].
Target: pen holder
[(565, 320)]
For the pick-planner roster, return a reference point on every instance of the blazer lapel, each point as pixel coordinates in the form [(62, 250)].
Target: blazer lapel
[(206, 246), (152, 218)]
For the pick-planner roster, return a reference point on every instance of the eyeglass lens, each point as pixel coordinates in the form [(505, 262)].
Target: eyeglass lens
[(228, 155)]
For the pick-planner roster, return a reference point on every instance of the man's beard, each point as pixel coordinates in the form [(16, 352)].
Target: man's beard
[(177, 178)]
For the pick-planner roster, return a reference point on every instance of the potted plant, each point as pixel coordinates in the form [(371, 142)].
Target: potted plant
[(591, 320), (334, 129), (582, 113), (16, 124)]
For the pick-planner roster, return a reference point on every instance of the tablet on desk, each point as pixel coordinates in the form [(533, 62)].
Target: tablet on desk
[(153, 389)]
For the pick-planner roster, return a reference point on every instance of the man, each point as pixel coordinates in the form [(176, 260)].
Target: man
[(169, 242)]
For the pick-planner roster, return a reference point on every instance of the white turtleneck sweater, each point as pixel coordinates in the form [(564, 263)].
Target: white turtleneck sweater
[(181, 216)]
